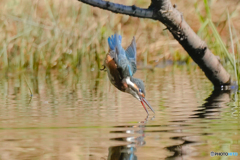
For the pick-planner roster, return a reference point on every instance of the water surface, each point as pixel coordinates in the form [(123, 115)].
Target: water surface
[(82, 116)]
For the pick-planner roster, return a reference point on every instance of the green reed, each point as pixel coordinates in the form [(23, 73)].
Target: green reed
[(211, 31)]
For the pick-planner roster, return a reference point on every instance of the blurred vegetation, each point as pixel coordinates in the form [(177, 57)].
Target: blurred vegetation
[(60, 35)]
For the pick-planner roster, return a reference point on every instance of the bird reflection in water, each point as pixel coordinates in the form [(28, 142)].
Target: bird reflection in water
[(127, 152)]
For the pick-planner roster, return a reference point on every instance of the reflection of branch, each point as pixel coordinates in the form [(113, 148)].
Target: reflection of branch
[(216, 100)]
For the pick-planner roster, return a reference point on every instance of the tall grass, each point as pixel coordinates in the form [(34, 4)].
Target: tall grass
[(65, 34), (212, 30), (60, 35)]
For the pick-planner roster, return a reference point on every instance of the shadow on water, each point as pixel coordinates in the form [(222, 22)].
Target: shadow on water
[(209, 110)]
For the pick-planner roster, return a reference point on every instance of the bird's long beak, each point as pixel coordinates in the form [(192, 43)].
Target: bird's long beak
[(143, 100)]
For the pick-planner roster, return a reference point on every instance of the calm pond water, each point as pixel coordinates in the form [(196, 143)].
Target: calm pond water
[(83, 117)]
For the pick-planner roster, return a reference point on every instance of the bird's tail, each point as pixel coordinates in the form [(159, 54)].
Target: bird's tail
[(115, 41)]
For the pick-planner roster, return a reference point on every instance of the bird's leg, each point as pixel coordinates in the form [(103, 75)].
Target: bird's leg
[(103, 69)]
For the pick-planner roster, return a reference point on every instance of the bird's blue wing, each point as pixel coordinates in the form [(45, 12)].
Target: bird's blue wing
[(119, 55), (131, 54), (115, 41)]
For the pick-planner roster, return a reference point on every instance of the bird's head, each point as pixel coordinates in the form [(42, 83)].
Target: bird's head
[(136, 89)]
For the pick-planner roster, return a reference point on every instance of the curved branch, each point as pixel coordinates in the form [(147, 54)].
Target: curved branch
[(165, 12), (122, 9)]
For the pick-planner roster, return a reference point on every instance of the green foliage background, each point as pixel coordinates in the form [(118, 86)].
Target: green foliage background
[(60, 35)]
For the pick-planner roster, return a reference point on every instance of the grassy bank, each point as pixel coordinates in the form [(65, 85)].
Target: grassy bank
[(54, 34)]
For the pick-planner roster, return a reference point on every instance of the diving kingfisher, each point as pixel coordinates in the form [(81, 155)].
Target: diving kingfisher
[(121, 65)]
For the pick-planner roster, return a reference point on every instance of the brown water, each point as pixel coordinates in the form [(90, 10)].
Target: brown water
[(72, 117)]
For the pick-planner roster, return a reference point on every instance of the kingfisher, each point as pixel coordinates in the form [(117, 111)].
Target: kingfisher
[(121, 65)]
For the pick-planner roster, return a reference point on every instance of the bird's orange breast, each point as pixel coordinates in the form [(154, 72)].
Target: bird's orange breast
[(113, 73)]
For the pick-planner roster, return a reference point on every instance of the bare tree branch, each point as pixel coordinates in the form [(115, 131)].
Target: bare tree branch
[(165, 12), (119, 8)]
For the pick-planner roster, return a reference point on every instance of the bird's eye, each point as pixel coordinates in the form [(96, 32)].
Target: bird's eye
[(140, 90)]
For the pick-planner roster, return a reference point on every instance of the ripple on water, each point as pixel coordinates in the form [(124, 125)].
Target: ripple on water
[(90, 119)]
